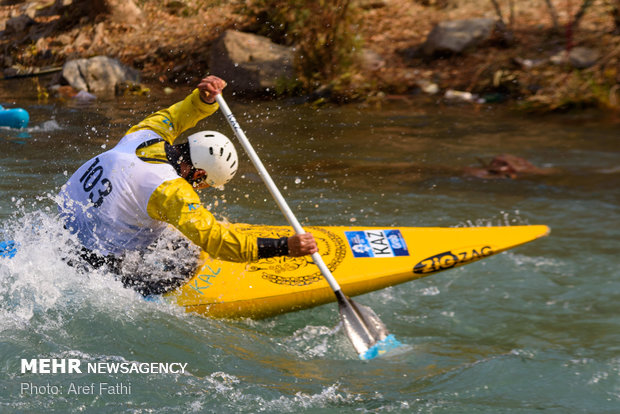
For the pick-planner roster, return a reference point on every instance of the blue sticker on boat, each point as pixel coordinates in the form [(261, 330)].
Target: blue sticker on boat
[(397, 242), (359, 244), (377, 243)]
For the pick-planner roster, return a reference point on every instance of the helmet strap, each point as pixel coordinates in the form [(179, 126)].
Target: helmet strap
[(178, 154)]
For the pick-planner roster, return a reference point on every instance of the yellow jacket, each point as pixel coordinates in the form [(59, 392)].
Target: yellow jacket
[(175, 201)]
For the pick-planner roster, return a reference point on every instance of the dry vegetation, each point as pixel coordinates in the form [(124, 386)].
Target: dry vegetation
[(171, 42)]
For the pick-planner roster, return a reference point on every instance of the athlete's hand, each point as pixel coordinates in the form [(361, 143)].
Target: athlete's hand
[(209, 87), (301, 245)]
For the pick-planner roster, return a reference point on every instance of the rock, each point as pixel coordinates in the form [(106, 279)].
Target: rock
[(582, 57), (509, 164), (175, 7), (125, 11), (506, 166), (31, 9), (120, 11), (428, 87), (250, 63), (578, 57), (99, 74), (371, 60), (19, 24), (323, 92), (64, 39), (456, 36), (82, 41), (370, 4), (528, 63), (560, 58), (10, 72), (100, 37), (453, 95), (63, 92)]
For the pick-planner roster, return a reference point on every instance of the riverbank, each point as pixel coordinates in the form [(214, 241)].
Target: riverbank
[(170, 44)]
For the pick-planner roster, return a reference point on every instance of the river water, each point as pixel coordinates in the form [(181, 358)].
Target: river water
[(532, 329)]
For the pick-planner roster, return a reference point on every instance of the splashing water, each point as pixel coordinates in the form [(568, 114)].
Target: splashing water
[(38, 279), (502, 219)]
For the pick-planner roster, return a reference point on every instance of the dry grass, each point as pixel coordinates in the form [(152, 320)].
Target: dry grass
[(172, 44)]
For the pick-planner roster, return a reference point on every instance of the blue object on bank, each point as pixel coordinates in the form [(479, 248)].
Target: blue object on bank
[(14, 118)]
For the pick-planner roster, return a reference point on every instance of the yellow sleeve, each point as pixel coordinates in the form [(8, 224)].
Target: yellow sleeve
[(169, 123), (176, 203)]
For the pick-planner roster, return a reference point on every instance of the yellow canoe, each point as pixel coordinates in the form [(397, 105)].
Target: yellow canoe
[(362, 259)]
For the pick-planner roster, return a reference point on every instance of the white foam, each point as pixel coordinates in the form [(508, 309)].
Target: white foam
[(46, 126), (312, 341), (38, 283), (501, 219)]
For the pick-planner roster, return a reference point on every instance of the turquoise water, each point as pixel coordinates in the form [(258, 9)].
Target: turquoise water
[(533, 329)]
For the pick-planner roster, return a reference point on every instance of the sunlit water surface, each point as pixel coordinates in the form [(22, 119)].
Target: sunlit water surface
[(532, 329)]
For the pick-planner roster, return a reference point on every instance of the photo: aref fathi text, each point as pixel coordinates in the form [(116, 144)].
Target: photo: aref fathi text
[(101, 388)]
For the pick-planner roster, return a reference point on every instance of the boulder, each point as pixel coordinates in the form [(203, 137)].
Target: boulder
[(578, 57), (506, 166), (371, 61), (125, 11), (250, 63), (99, 74), (120, 11), (18, 25), (583, 57), (370, 4), (456, 36)]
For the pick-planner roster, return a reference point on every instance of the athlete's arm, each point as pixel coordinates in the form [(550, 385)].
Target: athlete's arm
[(171, 122), (176, 203)]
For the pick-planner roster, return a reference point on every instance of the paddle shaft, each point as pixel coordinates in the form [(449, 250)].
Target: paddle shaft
[(275, 193)]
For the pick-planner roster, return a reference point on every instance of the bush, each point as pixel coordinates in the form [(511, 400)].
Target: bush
[(322, 32)]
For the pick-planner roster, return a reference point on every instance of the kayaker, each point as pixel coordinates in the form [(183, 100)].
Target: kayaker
[(123, 199)]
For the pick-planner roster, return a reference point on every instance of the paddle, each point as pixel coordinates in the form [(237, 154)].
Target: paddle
[(363, 327)]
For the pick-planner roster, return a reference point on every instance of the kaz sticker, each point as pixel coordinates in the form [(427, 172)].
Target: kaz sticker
[(377, 243)]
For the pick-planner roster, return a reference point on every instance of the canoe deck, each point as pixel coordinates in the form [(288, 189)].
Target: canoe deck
[(362, 259)]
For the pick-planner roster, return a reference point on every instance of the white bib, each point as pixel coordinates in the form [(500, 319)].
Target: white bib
[(105, 200)]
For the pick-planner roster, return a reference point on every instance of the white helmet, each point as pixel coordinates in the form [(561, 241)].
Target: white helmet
[(214, 153)]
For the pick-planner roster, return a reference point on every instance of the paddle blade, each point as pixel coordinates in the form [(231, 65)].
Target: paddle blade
[(365, 330)]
